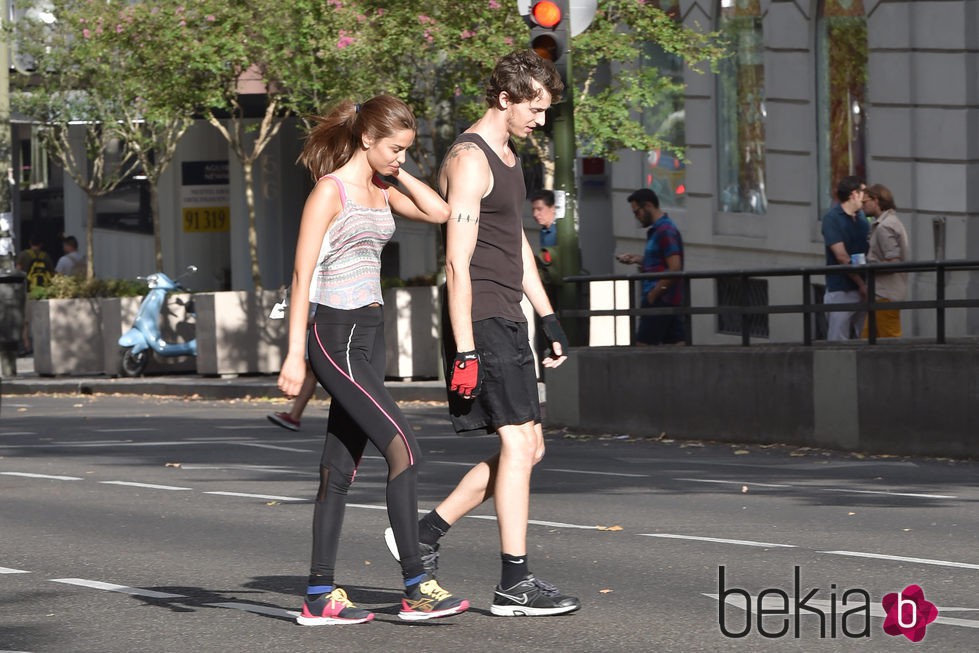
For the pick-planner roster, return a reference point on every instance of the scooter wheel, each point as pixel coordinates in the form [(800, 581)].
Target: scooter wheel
[(131, 364)]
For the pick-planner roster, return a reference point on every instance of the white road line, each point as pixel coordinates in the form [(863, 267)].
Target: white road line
[(893, 494), (20, 433), (8, 570), (92, 442), (719, 540), (242, 428), (129, 430), (271, 446), (538, 522), (146, 485), (257, 609), (252, 468), (123, 589), (822, 489), (270, 497), (710, 480), (582, 471), (923, 561), (50, 476)]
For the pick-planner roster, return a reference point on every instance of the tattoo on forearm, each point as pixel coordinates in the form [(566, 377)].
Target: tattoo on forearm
[(466, 218)]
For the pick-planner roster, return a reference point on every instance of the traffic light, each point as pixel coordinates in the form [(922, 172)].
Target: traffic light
[(549, 32)]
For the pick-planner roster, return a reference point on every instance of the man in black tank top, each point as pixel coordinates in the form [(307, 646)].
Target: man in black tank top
[(492, 378)]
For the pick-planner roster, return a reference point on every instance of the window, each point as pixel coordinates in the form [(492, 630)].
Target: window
[(841, 76), (741, 110), (664, 170)]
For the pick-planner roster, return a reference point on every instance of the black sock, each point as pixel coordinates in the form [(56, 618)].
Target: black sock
[(514, 570), (431, 527)]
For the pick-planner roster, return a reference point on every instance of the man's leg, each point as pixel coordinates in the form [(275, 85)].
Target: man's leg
[(306, 393), (838, 322), (518, 446), (480, 482)]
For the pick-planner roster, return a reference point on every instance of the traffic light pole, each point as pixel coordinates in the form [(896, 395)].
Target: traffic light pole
[(568, 252)]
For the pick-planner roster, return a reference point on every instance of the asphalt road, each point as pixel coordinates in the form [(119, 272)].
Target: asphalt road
[(146, 524)]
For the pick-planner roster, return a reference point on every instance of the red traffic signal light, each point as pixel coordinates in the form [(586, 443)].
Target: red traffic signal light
[(546, 14), (549, 35)]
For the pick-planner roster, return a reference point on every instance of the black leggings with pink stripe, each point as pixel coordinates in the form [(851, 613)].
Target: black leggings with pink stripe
[(346, 352)]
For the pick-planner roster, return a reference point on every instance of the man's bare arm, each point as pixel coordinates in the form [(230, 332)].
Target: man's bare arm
[(464, 179)]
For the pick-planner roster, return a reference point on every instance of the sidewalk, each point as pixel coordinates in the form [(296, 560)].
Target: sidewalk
[(184, 385)]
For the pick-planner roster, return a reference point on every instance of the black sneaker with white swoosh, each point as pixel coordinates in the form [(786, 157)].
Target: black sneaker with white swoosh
[(532, 597)]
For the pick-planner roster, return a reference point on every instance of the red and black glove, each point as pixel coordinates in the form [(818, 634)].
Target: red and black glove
[(554, 333), (466, 376)]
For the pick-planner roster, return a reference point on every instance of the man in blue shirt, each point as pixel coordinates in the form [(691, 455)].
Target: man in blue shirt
[(845, 232), (664, 252), (542, 207)]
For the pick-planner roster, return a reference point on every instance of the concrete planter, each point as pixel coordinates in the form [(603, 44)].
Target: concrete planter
[(67, 336), (176, 325), (411, 332), (235, 334)]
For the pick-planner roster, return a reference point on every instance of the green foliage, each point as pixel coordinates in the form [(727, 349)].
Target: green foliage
[(73, 287)]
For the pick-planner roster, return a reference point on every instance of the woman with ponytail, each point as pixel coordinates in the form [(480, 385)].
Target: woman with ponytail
[(346, 221)]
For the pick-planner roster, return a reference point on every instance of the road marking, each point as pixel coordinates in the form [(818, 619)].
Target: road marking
[(272, 446), (123, 589), (146, 485), (923, 561), (719, 540), (129, 430), (822, 489), (8, 570), (777, 606), (50, 476), (893, 494), (20, 433), (257, 609), (581, 471), (538, 522), (252, 468), (92, 442), (270, 497), (710, 480), (242, 428)]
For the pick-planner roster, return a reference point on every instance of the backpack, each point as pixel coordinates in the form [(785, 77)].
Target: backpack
[(39, 272)]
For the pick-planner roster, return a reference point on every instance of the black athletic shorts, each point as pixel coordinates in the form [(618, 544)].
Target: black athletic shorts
[(509, 392)]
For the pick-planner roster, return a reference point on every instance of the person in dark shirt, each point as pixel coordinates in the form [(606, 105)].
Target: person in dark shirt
[(845, 233), (663, 252), (489, 267)]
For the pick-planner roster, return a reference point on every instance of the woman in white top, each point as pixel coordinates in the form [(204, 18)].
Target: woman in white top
[(346, 221)]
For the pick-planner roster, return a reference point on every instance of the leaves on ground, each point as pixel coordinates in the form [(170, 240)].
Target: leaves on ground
[(609, 528)]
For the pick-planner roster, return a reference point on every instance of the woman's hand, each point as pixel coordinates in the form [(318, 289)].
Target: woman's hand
[(291, 375)]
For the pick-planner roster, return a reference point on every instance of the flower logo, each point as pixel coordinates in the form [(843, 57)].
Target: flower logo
[(908, 613)]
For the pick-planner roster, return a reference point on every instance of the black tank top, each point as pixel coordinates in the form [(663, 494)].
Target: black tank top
[(496, 267)]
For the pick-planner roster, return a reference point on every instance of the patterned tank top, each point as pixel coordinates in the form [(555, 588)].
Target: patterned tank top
[(348, 268)]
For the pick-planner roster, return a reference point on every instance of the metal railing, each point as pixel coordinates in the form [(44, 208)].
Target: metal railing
[(807, 308)]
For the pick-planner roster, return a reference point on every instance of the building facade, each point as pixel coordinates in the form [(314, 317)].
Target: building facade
[(815, 90)]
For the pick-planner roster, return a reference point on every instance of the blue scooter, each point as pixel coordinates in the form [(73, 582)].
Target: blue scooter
[(144, 337)]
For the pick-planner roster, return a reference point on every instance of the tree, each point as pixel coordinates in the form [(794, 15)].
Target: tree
[(293, 53), (155, 82), (60, 91), (438, 59)]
